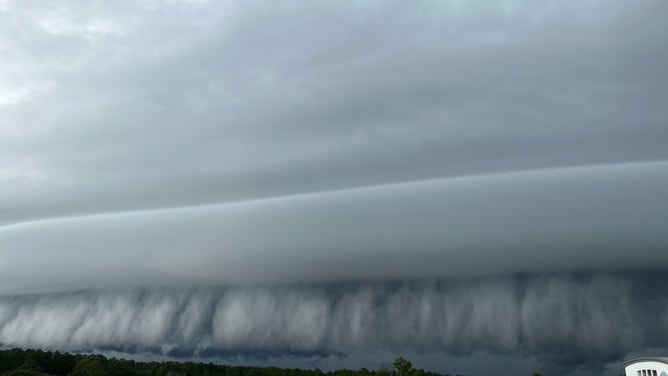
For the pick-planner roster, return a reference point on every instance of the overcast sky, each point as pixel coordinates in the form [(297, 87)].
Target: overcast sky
[(133, 105), (201, 143)]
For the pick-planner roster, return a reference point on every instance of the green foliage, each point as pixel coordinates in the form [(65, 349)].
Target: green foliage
[(28, 368), (18, 362), (402, 366), (383, 372), (95, 365)]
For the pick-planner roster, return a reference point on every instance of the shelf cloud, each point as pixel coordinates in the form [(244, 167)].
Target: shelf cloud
[(332, 178), (553, 316)]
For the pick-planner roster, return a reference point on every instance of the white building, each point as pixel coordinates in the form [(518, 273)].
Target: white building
[(646, 367)]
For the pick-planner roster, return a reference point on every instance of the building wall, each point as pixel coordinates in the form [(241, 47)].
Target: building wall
[(660, 368)]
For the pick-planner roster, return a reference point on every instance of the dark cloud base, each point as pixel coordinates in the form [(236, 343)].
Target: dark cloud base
[(566, 321)]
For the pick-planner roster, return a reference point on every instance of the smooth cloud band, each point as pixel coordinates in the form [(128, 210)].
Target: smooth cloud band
[(598, 217)]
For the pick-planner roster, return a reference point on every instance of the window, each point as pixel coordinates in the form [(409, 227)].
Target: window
[(647, 372)]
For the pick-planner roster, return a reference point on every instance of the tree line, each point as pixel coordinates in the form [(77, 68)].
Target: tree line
[(19, 362)]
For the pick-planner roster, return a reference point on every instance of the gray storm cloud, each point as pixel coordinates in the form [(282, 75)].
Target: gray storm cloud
[(598, 217), (600, 314)]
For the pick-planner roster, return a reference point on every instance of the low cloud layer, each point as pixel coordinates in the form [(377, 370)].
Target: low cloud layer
[(553, 318)]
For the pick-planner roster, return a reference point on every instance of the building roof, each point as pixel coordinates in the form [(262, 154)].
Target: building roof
[(638, 360)]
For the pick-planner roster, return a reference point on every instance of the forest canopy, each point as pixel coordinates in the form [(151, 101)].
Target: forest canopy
[(19, 362)]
